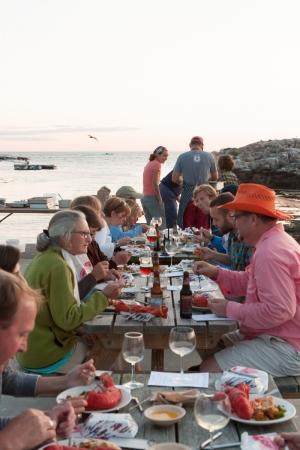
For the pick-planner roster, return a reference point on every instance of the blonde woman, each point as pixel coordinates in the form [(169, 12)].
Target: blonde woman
[(116, 212), (197, 213)]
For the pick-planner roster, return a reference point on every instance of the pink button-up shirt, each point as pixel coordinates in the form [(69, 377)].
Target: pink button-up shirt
[(271, 284)]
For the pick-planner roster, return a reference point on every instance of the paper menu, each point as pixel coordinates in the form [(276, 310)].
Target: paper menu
[(174, 379)]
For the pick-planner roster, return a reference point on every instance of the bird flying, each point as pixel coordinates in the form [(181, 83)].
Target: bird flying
[(92, 137)]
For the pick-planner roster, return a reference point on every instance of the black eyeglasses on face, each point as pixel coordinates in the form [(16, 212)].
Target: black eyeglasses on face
[(84, 234)]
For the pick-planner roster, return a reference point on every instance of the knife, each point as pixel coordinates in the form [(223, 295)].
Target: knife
[(229, 445), (213, 438)]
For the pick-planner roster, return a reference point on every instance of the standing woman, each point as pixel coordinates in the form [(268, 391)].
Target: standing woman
[(152, 201)]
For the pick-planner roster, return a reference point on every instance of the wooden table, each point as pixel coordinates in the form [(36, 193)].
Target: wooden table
[(10, 211), (186, 431), (107, 331)]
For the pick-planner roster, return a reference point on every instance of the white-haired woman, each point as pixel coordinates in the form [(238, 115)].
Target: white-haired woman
[(53, 346)]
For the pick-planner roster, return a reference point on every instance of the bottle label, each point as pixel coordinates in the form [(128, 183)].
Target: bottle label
[(156, 301), (186, 305)]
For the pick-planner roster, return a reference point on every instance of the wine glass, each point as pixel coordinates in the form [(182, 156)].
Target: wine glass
[(182, 341), (151, 234), (212, 412), (170, 249), (146, 265), (156, 221), (133, 352)]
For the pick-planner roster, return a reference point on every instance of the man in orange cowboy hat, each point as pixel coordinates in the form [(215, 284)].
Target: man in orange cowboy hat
[(269, 333)]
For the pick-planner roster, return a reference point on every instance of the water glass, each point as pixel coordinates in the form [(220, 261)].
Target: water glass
[(133, 352), (182, 341), (212, 412)]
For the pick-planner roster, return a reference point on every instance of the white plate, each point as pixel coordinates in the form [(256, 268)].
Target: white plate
[(75, 441), (75, 391), (130, 290), (188, 249), (290, 412)]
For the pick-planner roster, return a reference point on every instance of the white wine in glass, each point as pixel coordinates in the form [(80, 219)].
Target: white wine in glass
[(133, 352), (212, 412), (182, 341)]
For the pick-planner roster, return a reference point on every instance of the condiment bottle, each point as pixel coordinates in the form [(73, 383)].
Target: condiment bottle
[(186, 298)]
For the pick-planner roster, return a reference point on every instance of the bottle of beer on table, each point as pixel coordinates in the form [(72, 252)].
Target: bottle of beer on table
[(155, 262), (156, 290), (186, 298), (157, 242)]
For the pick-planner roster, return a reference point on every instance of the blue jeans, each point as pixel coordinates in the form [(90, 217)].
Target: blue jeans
[(170, 204), (152, 208)]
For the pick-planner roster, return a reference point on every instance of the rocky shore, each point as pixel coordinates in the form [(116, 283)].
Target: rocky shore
[(274, 163)]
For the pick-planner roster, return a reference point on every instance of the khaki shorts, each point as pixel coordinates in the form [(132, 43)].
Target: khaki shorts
[(268, 353)]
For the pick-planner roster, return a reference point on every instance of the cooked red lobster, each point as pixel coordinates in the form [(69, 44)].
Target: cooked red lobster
[(157, 312), (107, 397), (239, 400)]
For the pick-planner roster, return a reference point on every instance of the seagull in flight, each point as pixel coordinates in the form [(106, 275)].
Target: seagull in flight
[(92, 137)]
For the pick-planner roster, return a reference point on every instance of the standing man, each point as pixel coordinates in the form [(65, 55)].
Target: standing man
[(195, 167), (269, 333)]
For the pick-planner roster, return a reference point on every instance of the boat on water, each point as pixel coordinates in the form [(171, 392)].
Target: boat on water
[(27, 166)]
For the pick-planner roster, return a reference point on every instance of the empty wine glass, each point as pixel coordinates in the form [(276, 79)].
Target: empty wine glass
[(133, 352), (182, 341), (170, 249), (212, 412)]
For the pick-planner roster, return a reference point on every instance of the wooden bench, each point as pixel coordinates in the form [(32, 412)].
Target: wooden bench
[(289, 387)]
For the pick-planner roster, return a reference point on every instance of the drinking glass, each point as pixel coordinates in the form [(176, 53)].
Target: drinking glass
[(146, 265), (182, 341), (151, 235), (133, 352), (156, 221), (212, 412), (170, 249)]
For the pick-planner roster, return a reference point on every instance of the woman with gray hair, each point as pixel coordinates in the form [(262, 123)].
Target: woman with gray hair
[(53, 345)]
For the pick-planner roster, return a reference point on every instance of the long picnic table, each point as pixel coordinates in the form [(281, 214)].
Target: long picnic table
[(107, 330), (185, 432)]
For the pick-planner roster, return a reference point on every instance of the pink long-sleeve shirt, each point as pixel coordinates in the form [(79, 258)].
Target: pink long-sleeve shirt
[(271, 285)]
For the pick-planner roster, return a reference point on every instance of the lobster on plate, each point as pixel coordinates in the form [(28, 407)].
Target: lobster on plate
[(66, 447), (157, 312), (106, 396), (239, 400)]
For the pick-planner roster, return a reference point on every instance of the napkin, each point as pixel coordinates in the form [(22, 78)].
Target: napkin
[(188, 396), (258, 442), (107, 425)]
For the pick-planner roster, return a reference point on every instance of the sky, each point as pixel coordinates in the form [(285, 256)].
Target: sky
[(137, 73)]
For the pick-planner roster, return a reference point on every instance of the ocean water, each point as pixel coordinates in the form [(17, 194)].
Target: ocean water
[(79, 173)]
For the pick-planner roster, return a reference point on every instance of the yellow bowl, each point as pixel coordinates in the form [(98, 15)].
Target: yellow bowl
[(164, 415)]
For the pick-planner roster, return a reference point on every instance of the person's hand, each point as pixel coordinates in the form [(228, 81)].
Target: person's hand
[(145, 227), (218, 306), (79, 404), (100, 270), (124, 241), (65, 418), (28, 430), (113, 289), (204, 253), (121, 258), (114, 274), (204, 268), (292, 440), (81, 375)]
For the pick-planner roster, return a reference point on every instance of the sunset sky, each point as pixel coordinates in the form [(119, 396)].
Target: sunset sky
[(140, 73)]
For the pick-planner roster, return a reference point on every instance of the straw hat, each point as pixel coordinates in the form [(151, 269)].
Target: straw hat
[(256, 198)]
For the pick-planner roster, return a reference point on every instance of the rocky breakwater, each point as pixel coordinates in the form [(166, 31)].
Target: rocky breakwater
[(274, 163)]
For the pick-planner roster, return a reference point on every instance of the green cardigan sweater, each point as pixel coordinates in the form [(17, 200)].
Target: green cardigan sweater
[(59, 317)]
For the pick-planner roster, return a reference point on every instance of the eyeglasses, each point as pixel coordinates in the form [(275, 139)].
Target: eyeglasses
[(237, 216), (84, 234)]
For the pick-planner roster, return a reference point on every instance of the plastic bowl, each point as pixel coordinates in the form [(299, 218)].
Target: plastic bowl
[(164, 415)]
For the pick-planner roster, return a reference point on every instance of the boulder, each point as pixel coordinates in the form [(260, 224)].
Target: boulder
[(275, 163)]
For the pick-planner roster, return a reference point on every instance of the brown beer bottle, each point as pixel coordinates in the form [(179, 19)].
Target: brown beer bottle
[(156, 290), (186, 298), (157, 242), (155, 262)]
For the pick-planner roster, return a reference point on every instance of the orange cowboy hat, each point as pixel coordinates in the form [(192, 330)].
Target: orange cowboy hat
[(256, 198)]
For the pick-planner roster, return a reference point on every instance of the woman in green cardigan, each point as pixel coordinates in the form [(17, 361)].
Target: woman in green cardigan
[(53, 345)]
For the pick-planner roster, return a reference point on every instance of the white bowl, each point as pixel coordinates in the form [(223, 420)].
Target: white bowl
[(169, 446), (164, 415)]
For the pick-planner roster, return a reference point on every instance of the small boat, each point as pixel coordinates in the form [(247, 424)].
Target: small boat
[(49, 166), (27, 166)]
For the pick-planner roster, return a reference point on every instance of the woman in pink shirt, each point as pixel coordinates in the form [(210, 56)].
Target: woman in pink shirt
[(152, 201)]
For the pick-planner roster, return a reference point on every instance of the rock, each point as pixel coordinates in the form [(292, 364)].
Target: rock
[(275, 163)]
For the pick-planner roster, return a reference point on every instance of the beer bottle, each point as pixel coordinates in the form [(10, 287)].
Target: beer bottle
[(157, 243), (186, 297), (155, 262), (156, 290)]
